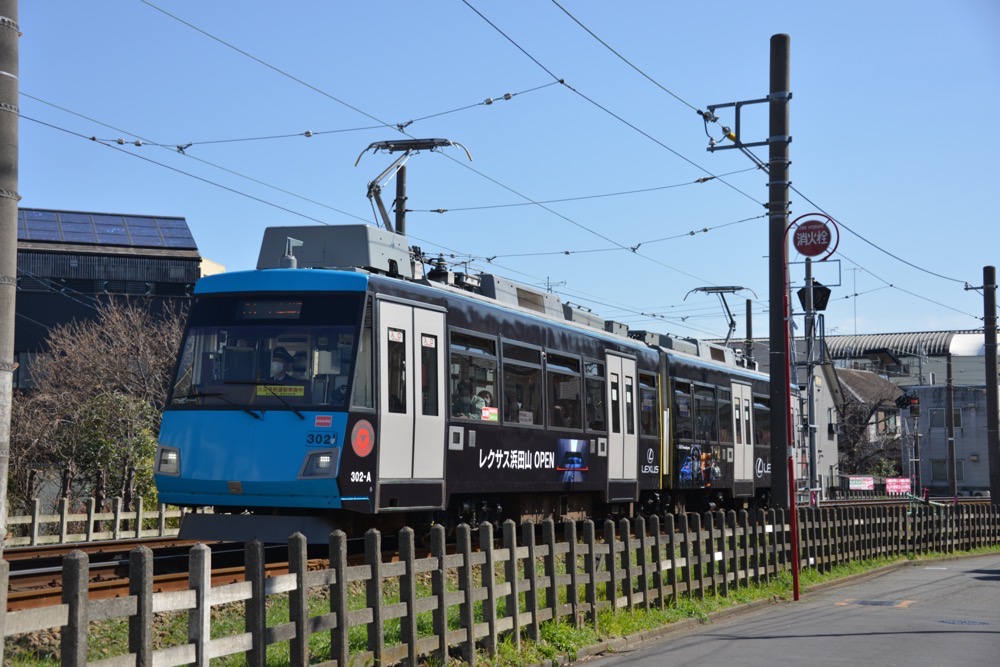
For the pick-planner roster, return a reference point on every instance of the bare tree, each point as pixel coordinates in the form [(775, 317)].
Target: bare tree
[(95, 408), (869, 442)]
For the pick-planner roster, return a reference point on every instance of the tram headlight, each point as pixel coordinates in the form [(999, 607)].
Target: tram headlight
[(169, 461), (321, 464)]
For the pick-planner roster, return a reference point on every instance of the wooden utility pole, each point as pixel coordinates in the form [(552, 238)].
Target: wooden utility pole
[(8, 234)]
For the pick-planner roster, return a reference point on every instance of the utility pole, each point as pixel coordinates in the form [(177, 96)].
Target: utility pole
[(811, 377), (950, 422), (8, 234), (778, 324), (992, 408)]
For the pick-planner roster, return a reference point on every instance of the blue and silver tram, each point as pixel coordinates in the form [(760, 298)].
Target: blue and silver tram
[(409, 399)]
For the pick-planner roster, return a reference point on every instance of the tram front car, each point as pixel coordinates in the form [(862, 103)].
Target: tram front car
[(258, 411)]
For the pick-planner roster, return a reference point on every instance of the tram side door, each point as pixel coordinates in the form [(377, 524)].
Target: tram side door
[(623, 436), (743, 433), (411, 392)]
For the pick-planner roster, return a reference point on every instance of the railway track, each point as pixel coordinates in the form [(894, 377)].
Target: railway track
[(903, 502), (36, 572)]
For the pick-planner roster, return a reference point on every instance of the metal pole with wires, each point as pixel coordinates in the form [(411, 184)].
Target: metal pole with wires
[(9, 35)]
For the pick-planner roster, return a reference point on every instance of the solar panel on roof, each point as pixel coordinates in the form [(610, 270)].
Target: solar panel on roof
[(102, 228)]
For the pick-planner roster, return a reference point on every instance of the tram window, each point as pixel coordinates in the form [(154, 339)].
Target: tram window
[(473, 376), (512, 352), (682, 411), (397, 370), (363, 396), (762, 420), (629, 405), (464, 342), (594, 383), (616, 410), (726, 417), (522, 385), (706, 418), (564, 382), (429, 375), (649, 423)]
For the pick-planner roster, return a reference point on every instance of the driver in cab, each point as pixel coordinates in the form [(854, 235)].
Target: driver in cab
[(281, 364)]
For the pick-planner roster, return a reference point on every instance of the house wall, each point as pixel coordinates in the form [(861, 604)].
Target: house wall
[(971, 454)]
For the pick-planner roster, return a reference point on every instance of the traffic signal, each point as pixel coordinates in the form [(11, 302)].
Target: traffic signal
[(910, 401)]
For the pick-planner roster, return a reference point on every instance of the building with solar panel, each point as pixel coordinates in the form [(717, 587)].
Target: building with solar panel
[(67, 260)]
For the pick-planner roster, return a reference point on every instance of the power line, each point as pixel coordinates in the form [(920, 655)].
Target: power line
[(182, 147), (269, 66), (175, 169), (629, 63), (605, 109), (693, 232), (919, 296), (876, 246), (697, 181), (192, 157)]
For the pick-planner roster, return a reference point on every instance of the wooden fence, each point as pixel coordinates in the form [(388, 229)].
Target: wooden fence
[(93, 524), (471, 599)]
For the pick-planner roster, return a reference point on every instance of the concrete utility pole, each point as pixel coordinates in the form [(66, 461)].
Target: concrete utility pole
[(992, 408), (778, 325), (949, 420), (8, 234)]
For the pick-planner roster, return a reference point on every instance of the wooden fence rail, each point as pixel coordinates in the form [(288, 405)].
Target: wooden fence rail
[(469, 600), (93, 524)]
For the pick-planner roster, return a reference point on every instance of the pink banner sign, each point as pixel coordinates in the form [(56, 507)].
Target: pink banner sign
[(897, 486), (861, 483)]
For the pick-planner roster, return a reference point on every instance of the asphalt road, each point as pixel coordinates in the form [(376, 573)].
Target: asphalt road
[(943, 612)]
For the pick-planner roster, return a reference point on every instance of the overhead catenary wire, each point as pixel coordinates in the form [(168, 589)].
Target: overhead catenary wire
[(697, 181), (629, 63), (176, 170), (606, 109), (466, 166), (693, 232), (386, 124), (195, 158), (466, 261), (757, 161), (183, 146)]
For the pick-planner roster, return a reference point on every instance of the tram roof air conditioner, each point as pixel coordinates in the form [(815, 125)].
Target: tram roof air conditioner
[(338, 247)]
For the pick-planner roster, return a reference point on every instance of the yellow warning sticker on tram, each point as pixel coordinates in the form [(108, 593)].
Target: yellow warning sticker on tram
[(283, 390)]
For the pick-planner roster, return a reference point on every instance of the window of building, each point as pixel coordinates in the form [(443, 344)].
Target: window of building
[(939, 470), (939, 418)]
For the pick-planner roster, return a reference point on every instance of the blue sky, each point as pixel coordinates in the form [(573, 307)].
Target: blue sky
[(892, 125)]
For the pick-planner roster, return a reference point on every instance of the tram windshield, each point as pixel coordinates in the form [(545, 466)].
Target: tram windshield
[(283, 352)]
